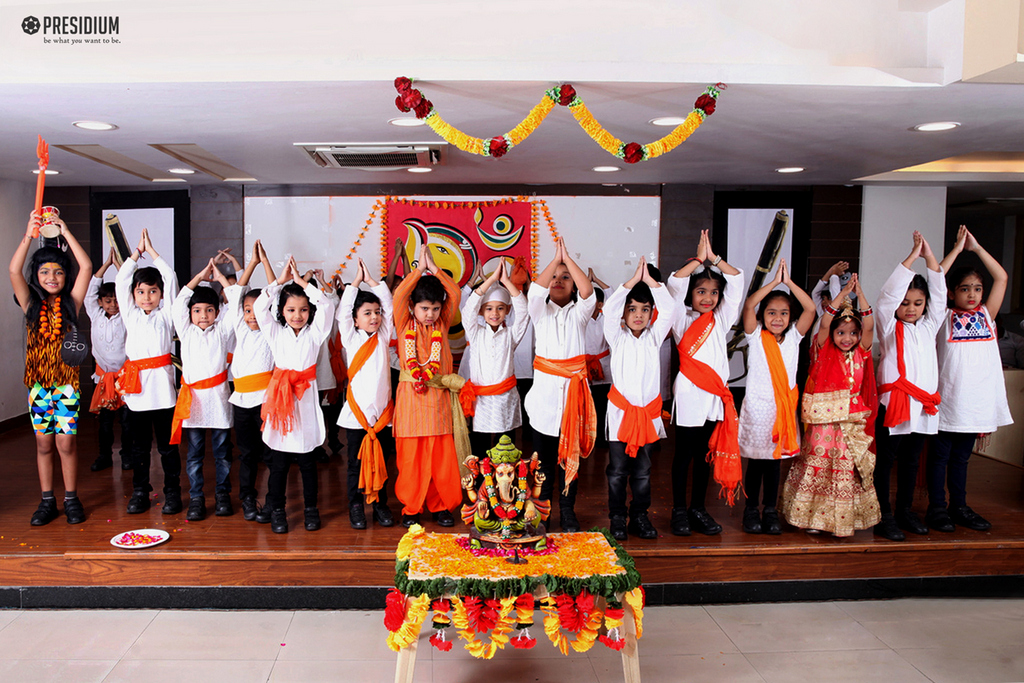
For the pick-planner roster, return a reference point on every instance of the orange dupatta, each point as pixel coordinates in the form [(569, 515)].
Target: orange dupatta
[(636, 429), (594, 369), (372, 470), (183, 407), (128, 381), (578, 431), (105, 395), (723, 446), (787, 398), (285, 388), (469, 392), (901, 391)]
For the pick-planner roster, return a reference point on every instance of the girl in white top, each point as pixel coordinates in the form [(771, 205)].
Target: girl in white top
[(970, 382), (560, 304), (825, 289), (295, 319), (909, 312), (147, 380), (634, 421), (493, 342), (766, 438), (706, 284), (203, 399), (330, 377), (364, 316)]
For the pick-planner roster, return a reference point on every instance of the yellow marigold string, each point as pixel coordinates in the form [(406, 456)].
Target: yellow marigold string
[(553, 626), (595, 130), (503, 625), (416, 612), (635, 600), (408, 539)]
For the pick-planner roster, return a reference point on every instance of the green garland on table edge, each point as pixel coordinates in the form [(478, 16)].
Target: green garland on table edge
[(605, 586)]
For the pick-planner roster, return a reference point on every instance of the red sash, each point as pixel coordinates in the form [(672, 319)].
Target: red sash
[(578, 430), (594, 369), (902, 390), (183, 407), (723, 446), (469, 392), (105, 395), (285, 388), (372, 470), (636, 429), (334, 348), (128, 381)]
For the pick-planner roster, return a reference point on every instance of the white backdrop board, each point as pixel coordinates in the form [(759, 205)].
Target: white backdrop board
[(607, 234)]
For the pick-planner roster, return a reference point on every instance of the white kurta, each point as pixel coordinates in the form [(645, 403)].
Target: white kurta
[(691, 406), (371, 386), (919, 355), (635, 367), (325, 379), (252, 353), (971, 375), (492, 362), (107, 334), (596, 345), (560, 333), (204, 354), (296, 352), (148, 336), (757, 415), (522, 358)]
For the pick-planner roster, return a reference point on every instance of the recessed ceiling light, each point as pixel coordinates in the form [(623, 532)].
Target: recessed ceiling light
[(181, 171), (936, 126), (46, 172), (94, 125), (668, 121), (407, 121), (790, 169), (606, 169), (419, 169)]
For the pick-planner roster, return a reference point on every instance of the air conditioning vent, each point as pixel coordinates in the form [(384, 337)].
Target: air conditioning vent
[(376, 156)]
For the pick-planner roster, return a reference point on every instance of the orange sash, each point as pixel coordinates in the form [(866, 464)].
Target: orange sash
[(285, 388), (469, 392), (183, 408), (594, 369), (231, 357), (105, 394), (128, 381), (902, 390), (579, 420), (636, 429), (723, 446), (787, 398), (334, 348), (255, 382), (372, 470)]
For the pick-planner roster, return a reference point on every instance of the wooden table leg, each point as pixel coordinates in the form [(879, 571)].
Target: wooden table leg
[(407, 663), (630, 652)]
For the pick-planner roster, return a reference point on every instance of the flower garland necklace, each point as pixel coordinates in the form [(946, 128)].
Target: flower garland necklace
[(422, 372), (46, 330), (507, 516)]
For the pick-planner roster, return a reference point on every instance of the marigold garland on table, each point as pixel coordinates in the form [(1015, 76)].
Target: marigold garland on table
[(409, 631), (411, 99)]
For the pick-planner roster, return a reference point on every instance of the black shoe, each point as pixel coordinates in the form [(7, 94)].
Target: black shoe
[(908, 520), (680, 522), (704, 523), (382, 513), (101, 463), (640, 525), (263, 515), (619, 528), (357, 516), (567, 518), (74, 511), (752, 521), (172, 503), (939, 519), (126, 464), (312, 520), (223, 507), (196, 509), (249, 508), (770, 523), (279, 521), (321, 455), (965, 516), (45, 513), (888, 529), (139, 502), (444, 518), (409, 520)]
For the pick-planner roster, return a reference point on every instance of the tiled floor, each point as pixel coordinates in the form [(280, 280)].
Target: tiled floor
[(892, 641)]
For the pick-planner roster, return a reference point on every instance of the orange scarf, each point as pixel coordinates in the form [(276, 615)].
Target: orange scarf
[(128, 381), (723, 446), (255, 382), (469, 392), (902, 390), (636, 429), (787, 398), (183, 408), (285, 388), (372, 470), (105, 395), (594, 369), (578, 430)]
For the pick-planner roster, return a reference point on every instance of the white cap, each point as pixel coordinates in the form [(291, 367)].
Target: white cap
[(497, 293)]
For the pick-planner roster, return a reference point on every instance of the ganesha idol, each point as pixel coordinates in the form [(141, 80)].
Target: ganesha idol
[(506, 510)]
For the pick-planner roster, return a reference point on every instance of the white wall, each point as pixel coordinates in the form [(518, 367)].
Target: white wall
[(16, 200)]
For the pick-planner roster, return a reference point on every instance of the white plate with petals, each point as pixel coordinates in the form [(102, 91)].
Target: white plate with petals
[(140, 538)]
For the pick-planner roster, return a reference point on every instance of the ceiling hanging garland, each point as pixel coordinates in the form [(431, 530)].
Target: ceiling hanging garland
[(411, 99)]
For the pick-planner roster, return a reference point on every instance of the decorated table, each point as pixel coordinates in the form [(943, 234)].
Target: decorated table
[(586, 584)]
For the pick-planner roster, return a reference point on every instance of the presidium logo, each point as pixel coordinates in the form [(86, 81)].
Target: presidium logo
[(74, 30)]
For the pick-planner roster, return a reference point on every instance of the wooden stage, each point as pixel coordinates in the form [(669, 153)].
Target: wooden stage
[(230, 552)]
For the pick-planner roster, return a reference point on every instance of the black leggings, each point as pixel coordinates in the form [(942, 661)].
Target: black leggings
[(277, 483), (766, 472), (547, 450), (905, 451), (691, 446)]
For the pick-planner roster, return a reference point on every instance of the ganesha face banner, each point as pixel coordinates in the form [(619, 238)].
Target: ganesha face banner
[(460, 235)]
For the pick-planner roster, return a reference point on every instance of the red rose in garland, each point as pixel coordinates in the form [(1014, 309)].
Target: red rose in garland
[(423, 107), (411, 98), (402, 84), (706, 103), (566, 94), (401, 107), (632, 153), (498, 147)]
